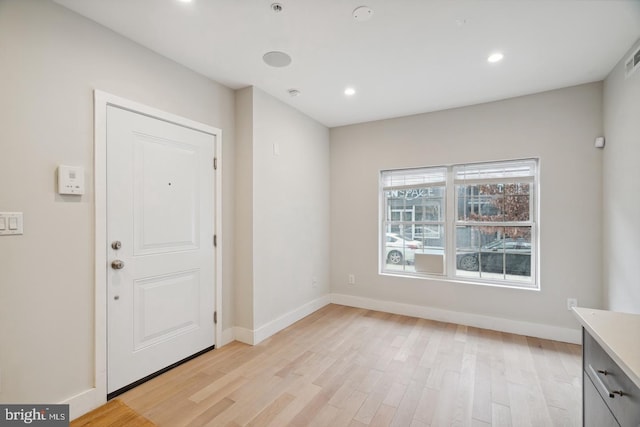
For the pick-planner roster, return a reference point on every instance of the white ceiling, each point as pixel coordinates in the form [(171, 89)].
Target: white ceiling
[(412, 56)]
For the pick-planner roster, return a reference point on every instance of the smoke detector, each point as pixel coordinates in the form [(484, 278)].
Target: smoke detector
[(362, 13), (276, 7), (293, 92)]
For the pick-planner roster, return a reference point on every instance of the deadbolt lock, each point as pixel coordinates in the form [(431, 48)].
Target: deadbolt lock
[(116, 245)]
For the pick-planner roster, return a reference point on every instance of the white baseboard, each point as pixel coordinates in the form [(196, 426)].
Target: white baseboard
[(243, 335), (253, 337), (228, 336), (476, 320), (288, 319), (84, 402)]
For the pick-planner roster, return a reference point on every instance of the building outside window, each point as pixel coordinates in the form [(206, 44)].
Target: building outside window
[(471, 222)]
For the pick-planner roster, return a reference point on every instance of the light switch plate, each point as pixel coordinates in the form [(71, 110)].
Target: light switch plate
[(11, 223)]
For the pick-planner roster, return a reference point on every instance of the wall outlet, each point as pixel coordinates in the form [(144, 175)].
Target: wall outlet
[(314, 281), (352, 279), (572, 302)]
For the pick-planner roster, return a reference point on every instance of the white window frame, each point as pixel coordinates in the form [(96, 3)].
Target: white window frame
[(452, 221)]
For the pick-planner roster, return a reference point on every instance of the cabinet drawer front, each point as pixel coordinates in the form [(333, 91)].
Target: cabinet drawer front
[(595, 412), (610, 381)]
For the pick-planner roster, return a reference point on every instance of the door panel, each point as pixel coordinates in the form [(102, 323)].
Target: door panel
[(164, 307), (160, 206), (165, 195)]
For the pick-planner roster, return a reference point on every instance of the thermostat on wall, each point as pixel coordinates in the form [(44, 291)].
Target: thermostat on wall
[(71, 180)]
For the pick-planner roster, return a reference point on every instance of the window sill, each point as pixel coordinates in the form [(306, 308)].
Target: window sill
[(464, 281)]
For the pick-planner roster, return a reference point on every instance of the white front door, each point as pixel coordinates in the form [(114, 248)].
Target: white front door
[(161, 261)]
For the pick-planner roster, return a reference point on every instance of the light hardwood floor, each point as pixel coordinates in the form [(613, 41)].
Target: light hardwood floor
[(344, 366)]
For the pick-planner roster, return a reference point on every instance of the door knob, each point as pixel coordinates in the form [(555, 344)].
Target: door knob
[(117, 264)]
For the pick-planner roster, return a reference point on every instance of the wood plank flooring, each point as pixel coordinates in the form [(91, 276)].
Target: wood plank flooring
[(344, 366), (113, 414)]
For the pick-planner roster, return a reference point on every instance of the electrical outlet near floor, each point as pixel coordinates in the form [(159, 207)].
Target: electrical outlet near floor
[(352, 279), (314, 281), (572, 302)]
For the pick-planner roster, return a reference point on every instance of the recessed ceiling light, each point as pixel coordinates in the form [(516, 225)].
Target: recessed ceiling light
[(495, 57), (349, 91), (293, 92), (184, 1), (276, 59)]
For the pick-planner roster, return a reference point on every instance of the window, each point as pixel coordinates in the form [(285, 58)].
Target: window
[(472, 222)]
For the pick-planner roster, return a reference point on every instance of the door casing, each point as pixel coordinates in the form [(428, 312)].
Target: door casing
[(101, 101)]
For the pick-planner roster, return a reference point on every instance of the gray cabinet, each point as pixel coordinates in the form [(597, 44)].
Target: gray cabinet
[(610, 398), (594, 411)]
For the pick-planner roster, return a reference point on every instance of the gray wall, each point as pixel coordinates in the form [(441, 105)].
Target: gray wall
[(291, 209), (282, 209), (621, 199), (558, 127), (51, 60), (243, 257)]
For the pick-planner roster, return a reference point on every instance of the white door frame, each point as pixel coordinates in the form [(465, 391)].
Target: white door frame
[(102, 100)]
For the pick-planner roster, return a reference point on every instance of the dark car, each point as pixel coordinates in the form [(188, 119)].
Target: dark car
[(492, 257)]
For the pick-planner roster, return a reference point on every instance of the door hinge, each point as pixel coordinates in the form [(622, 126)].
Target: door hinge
[(215, 241), (215, 163), (215, 317)]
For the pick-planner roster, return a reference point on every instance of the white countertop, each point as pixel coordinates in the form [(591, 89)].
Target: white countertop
[(618, 334)]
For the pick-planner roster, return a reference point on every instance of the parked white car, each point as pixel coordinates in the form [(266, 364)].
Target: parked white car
[(400, 250)]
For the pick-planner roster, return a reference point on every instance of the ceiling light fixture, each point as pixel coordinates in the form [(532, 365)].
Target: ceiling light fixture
[(184, 1), (495, 57), (349, 91), (293, 92), (276, 59)]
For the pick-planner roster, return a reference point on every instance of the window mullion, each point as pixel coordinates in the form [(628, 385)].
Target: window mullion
[(450, 217)]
